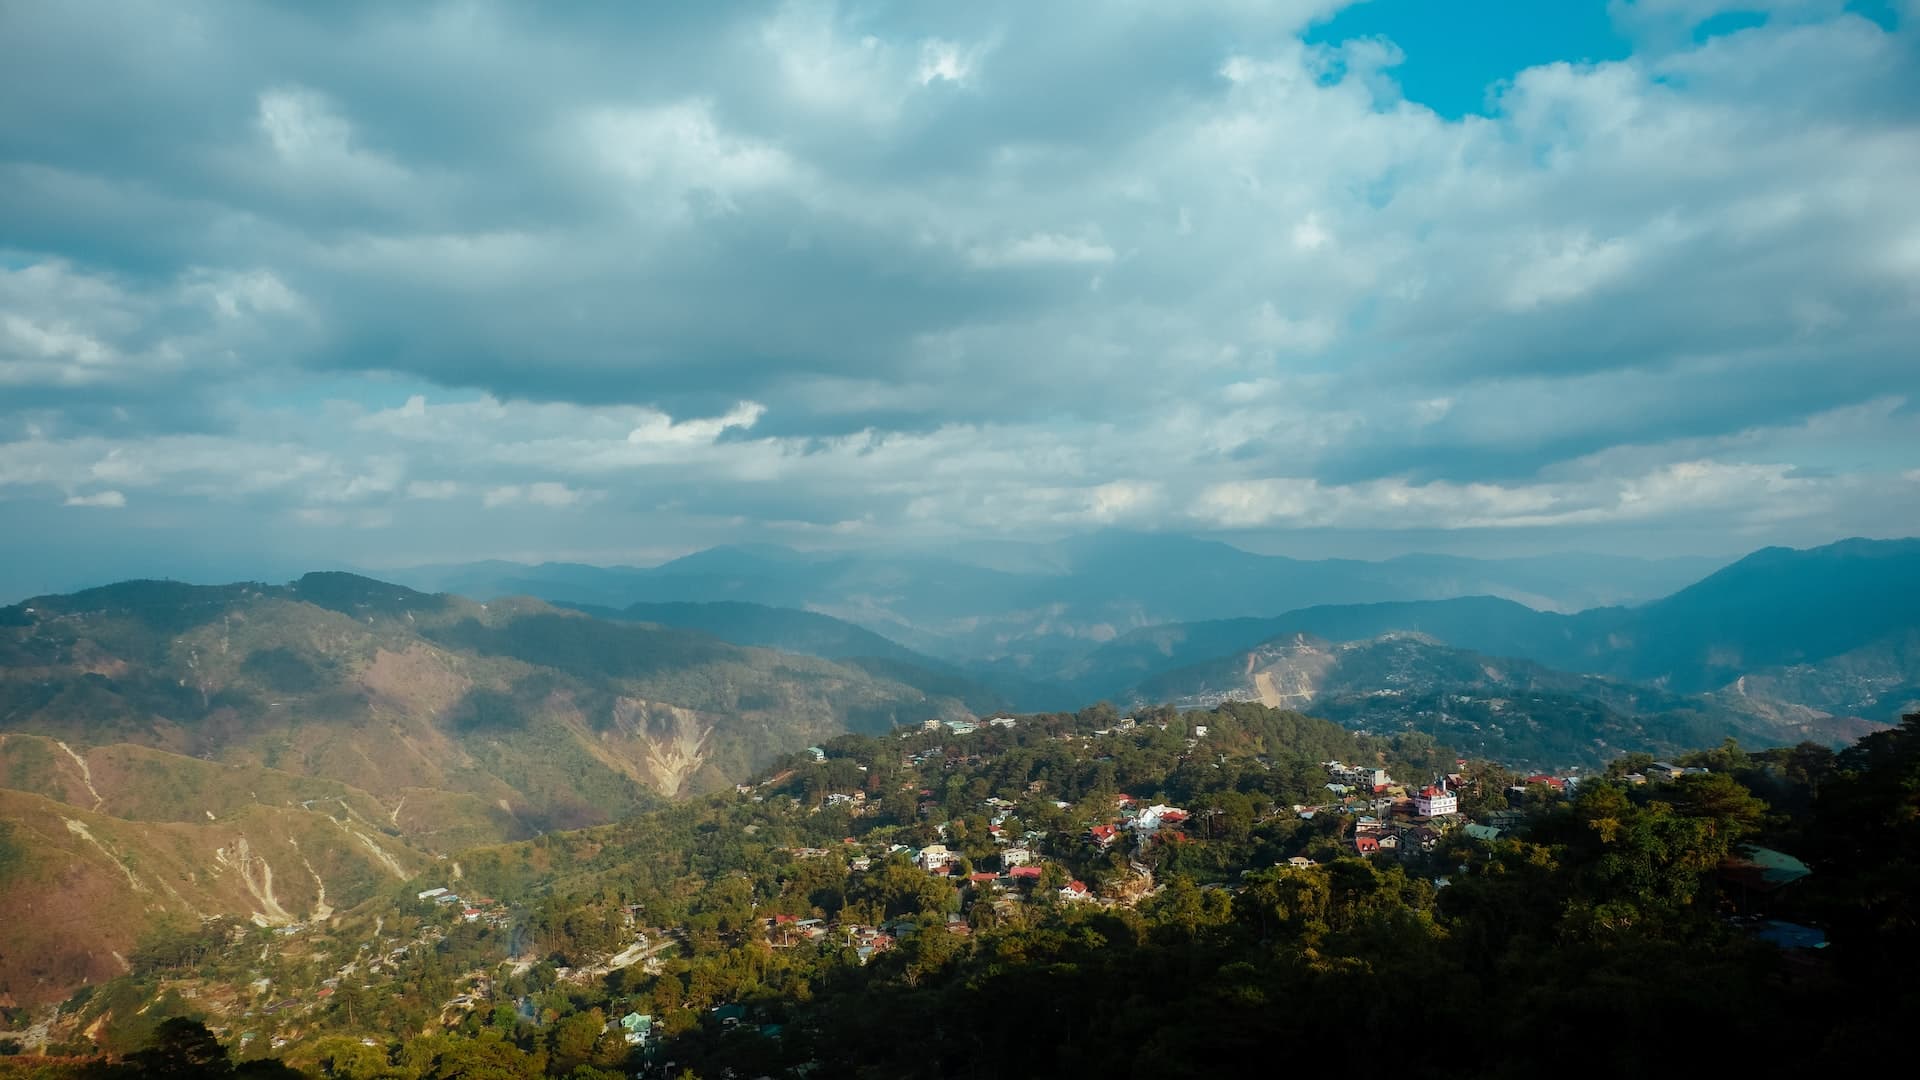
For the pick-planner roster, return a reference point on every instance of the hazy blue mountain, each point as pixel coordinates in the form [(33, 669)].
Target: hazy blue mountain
[(1481, 623), (1515, 711), (812, 634), (1834, 628), (1029, 611), (744, 623), (1777, 607)]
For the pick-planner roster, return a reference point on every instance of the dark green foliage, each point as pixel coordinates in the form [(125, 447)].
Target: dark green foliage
[(283, 669), (1867, 823), (13, 854), (585, 646), (351, 594), (181, 1048), (1601, 924), (161, 609), (487, 710), (786, 629)]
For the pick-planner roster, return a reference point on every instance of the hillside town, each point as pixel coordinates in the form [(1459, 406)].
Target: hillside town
[(863, 851)]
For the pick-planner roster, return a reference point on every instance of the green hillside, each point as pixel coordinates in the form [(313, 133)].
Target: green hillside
[(341, 718), (1510, 710)]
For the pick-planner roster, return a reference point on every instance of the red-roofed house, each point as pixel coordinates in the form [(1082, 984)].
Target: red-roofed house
[(1073, 890), (1366, 844), (1435, 800), (1024, 873), (1103, 834)]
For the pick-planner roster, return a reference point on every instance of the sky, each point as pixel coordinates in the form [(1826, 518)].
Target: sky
[(286, 285)]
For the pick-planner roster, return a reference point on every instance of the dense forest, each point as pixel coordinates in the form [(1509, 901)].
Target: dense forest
[(1631, 920)]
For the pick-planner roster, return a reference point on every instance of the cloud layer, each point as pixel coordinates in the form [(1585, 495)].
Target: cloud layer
[(473, 279)]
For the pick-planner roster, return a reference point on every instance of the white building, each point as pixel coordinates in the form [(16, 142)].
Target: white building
[(1157, 815), (934, 856), (1435, 800)]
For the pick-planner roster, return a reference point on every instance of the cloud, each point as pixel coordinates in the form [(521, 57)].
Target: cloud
[(803, 271), (1041, 248), (546, 493), (109, 500), (676, 152)]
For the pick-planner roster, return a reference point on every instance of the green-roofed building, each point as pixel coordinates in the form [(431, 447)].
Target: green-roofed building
[(1770, 869), (636, 1029), (1757, 872)]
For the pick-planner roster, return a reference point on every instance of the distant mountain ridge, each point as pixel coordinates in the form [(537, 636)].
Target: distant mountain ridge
[(1023, 613), (810, 633), (1822, 643), (1515, 711), (743, 623)]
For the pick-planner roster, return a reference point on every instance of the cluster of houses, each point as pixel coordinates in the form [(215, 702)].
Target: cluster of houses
[(1372, 836), (1662, 770), (480, 909), (959, 727), (1390, 820), (785, 931), (1143, 823), (1343, 779)]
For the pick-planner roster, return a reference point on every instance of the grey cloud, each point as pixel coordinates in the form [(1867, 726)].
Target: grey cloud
[(1113, 258)]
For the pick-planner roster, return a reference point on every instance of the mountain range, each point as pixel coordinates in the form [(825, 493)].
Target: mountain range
[(282, 751), (170, 751), (1829, 629), (1839, 623), (1024, 611)]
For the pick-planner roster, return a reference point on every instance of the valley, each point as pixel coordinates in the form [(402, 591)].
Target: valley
[(284, 755)]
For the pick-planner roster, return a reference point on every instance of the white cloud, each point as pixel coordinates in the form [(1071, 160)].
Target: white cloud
[(334, 517), (1629, 291), (1566, 268), (660, 429), (1273, 329), (111, 500), (314, 144), (1042, 249), (437, 490), (66, 327), (679, 151), (549, 494), (1746, 492)]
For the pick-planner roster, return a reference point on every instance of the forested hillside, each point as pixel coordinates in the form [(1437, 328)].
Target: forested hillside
[(1515, 711), (1822, 644), (275, 752), (1197, 897)]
